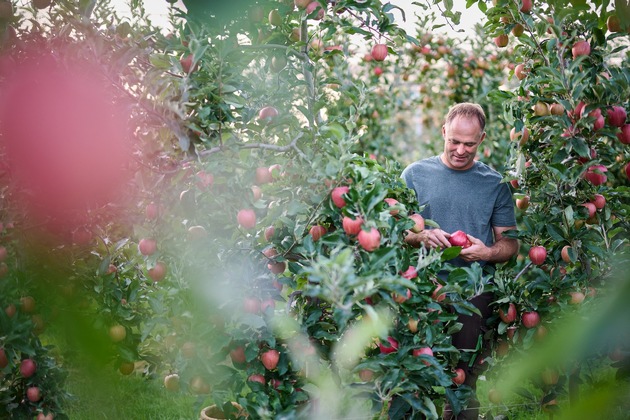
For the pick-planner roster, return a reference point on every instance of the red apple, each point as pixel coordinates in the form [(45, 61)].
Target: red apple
[(501, 40), (530, 319), (369, 240), (392, 202), (423, 351), (204, 179), (246, 218), (526, 6), (277, 267), (158, 271), (565, 254), (251, 305), (269, 232), (460, 376), (537, 254), (391, 347), (366, 375), (576, 298), (436, 295), (317, 232), (419, 223), (257, 378), (510, 316), (599, 122), (4, 360), (267, 113), (410, 273), (613, 24), (352, 226), (33, 394), (378, 71), (599, 201), (541, 333), (596, 174), (556, 109), (581, 47), (401, 298), (147, 246), (522, 203), (301, 4), (459, 238), (187, 63), (270, 359), (238, 355), (520, 136), (627, 169), (27, 304), (592, 210), (379, 52), (521, 71), (337, 196), (263, 176), (616, 116), (28, 368), (312, 6), (11, 309), (624, 134)]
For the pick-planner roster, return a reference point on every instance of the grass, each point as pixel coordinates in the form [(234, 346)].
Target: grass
[(109, 395)]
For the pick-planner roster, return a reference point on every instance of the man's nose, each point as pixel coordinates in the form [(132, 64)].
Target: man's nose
[(461, 149)]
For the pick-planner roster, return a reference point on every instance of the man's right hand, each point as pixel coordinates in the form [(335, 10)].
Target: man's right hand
[(431, 238)]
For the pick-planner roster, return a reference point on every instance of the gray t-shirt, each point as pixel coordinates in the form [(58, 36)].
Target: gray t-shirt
[(473, 200)]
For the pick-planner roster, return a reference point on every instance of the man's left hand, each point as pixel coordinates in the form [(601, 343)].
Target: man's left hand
[(475, 252)]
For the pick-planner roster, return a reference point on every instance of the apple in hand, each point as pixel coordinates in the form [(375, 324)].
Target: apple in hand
[(459, 238)]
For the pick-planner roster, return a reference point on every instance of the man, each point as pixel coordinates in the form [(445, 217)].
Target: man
[(459, 193)]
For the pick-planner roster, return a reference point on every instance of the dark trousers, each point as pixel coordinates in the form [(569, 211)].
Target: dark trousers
[(467, 340)]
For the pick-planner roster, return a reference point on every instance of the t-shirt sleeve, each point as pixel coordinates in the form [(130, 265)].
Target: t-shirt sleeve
[(406, 176), (503, 214)]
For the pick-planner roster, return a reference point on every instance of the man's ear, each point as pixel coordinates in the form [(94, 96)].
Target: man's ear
[(483, 136)]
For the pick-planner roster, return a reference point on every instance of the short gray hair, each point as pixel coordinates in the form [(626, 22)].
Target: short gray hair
[(469, 110)]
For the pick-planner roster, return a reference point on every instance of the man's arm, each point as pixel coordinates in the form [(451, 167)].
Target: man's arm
[(502, 250), (430, 238)]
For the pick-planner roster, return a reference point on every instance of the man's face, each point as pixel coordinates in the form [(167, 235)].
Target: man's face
[(462, 137)]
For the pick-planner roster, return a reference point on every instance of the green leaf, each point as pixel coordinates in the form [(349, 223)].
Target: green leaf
[(451, 252), (554, 232)]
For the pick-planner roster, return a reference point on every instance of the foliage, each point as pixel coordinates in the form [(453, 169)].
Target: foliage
[(243, 128)]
